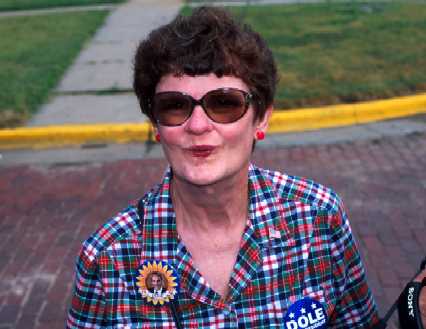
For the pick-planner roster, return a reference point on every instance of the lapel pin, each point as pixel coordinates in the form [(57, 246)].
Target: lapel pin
[(159, 285), (157, 282)]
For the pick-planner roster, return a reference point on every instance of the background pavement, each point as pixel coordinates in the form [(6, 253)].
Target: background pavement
[(48, 210)]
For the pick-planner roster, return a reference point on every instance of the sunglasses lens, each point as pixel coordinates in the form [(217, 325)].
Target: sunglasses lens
[(222, 106), (226, 105), (171, 109)]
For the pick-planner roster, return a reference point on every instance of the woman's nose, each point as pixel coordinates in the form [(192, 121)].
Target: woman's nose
[(198, 122)]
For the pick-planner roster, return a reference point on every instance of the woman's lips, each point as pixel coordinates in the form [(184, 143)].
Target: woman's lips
[(201, 151)]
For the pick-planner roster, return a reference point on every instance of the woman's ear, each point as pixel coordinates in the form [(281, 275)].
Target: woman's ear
[(262, 124)]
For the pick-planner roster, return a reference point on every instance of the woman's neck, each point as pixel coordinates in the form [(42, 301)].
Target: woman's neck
[(216, 207)]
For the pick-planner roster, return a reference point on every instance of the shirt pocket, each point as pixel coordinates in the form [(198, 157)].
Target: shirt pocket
[(135, 313), (126, 308), (284, 279)]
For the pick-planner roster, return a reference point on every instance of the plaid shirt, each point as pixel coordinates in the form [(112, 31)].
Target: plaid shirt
[(297, 243)]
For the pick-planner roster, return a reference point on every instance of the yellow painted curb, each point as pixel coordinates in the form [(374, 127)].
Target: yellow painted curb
[(347, 114), (281, 122), (66, 135)]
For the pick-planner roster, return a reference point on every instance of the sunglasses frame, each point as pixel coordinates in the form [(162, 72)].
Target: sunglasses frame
[(248, 98)]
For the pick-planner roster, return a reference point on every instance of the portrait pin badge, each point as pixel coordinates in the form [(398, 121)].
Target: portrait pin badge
[(158, 284)]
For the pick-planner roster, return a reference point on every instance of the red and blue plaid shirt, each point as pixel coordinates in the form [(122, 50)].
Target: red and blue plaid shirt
[(297, 244)]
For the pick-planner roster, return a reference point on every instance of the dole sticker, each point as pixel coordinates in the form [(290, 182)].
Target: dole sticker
[(306, 313)]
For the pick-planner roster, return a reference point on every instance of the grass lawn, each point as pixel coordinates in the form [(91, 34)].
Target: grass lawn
[(38, 4), (343, 52), (36, 50)]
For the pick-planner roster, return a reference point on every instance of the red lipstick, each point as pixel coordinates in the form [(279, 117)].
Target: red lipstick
[(201, 151)]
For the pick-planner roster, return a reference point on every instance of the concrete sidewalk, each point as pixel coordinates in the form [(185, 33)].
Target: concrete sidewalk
[(105, 65)]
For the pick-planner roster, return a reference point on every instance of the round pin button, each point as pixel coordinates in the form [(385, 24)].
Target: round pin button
[(306, 313), (157, 281)]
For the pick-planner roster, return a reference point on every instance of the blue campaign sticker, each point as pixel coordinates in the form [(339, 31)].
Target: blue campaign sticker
[(306, 313)]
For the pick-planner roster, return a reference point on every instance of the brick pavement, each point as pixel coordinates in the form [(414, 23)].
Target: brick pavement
[(47, 211)]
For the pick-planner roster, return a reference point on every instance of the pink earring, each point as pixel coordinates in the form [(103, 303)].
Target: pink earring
[(260, 135), (157, 137)]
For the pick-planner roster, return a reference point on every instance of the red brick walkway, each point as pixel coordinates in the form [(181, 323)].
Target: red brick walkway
[(46, 212)]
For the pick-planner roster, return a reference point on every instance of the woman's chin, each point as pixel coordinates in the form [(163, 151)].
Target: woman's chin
[(201, 180), (199, 176)]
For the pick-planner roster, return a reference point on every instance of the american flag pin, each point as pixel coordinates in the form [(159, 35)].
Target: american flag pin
[(274, 233)]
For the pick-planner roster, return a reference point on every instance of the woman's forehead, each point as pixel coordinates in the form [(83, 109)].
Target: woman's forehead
[(198, 85)]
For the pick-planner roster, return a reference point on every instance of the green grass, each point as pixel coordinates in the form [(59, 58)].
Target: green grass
[(36, 50), (343, 52), (39, 4)]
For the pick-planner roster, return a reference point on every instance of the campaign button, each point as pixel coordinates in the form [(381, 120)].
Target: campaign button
[(157, 281), (306, 313)]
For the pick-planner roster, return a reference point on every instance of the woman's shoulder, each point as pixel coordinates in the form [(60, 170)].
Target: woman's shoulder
[(125, 225), (121, 226), (292, 188)]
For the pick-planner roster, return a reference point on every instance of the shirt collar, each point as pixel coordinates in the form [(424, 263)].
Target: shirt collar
[(266, 209)]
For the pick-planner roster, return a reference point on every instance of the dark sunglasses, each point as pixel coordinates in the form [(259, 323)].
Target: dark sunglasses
[(224, 105)]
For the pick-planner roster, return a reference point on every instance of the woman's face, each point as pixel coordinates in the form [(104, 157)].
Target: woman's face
[(201, 151)]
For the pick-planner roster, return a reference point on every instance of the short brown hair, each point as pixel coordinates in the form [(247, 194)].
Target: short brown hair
[(210, 40)]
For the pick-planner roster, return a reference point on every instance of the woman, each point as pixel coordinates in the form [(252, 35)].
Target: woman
[(239, 246)]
